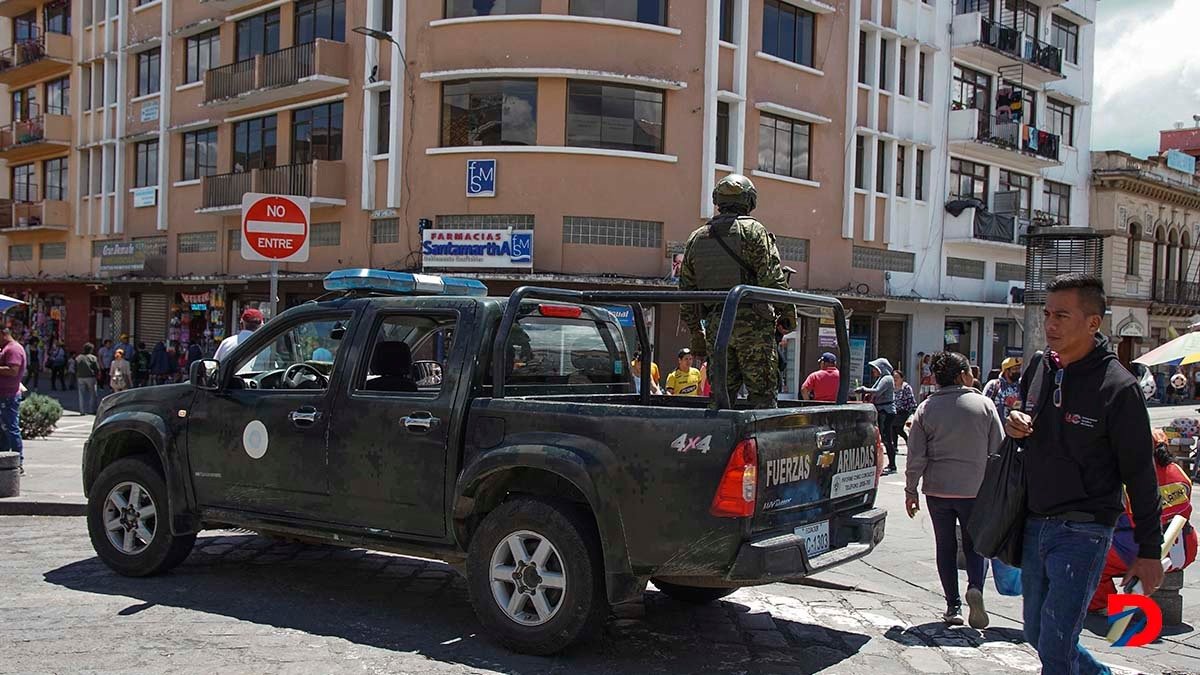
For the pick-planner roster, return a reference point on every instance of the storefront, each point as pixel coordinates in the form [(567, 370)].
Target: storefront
[(59, 312)]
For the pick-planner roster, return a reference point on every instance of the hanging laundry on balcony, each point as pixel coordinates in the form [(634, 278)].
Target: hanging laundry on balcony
[(1009, 105), (1030, 137)]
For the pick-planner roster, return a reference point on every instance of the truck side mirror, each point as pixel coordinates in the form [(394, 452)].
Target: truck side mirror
[(205, 374)]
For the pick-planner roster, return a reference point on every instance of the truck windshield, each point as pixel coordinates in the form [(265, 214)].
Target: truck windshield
[(545, 350)]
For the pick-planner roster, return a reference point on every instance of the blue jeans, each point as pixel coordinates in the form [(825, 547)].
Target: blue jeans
[(1060, 567), (10, 425)]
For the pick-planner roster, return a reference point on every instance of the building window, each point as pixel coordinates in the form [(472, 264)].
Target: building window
[(489, 112), (24, 104), (199, 154), (24, 183), (614, 116), (20, 253), (85, 177), (919, 170), (54, 175), (971, 89), (462, 8), (1020, 15), (320, 19), (862, 57), (58, 96), (859, 157), (203, 51), (641, 11), (884, 48), (921, 56), (612, 232), (327, 234), (867, 258), (900, 169), (788, 32), (965, 268), (1023, 186), (145, 164), (792, 248), (727, 9), (53, 250), (1065, 36), (85, 87), (24, 27), (317, 133), (58, 17), (880, 148), (968, 180), (903, 70), (383, 129), (254, 144), (385, 231), (783, 146), (1058, 201), (148, 63), (722, 132), (1061, 120), (1017, 104), (1009, 272), (258, 34), (484, 221), (1134, 251), (197, 242)]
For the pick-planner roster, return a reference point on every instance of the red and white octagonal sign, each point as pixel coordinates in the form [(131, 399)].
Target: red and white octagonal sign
[(275, 228)]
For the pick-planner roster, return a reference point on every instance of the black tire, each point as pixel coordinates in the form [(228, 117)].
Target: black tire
[(696, 595), (583, 605), (165, 550)]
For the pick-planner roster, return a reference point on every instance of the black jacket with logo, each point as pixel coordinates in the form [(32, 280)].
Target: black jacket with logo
[(1080, 454)]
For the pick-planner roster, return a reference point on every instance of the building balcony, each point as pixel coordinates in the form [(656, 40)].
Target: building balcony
[(999, 139), (1173, 292), (295, 72), (35, 138), (31, 214), (996, 47), (38, 58), (985, 234), (323, 182)]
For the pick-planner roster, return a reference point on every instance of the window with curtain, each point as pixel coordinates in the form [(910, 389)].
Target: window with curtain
[(258, 34), (202, 52), (614, 116), (145, 164), (491, 112), (54, 175), (58, 96), (968, 179), (149, 65), (199, 153), (463, 8), (317, 133), (788, 32), (641, 11), (254, 143), (783, 146), (325, 19)]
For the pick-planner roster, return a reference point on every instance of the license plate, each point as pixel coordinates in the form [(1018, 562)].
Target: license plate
[(816, 537)]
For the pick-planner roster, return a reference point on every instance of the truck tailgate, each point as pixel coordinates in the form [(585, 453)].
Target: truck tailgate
[(814, 464)]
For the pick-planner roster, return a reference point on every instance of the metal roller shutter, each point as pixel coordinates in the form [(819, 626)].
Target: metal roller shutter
[(151, 319)]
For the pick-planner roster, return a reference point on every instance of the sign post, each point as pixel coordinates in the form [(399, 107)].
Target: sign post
[(275, 229)]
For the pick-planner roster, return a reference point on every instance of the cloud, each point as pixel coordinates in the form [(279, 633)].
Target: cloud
[(1147, 72)]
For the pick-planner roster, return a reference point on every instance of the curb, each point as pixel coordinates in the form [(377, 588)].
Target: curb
[(36, 508)]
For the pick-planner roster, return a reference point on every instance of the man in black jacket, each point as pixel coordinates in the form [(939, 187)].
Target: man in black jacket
[(1086, 433)]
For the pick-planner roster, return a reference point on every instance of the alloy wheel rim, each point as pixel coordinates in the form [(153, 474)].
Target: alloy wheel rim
[(130, 518), (528, 578)]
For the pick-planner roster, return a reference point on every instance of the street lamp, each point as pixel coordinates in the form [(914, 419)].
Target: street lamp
[(376, 33)]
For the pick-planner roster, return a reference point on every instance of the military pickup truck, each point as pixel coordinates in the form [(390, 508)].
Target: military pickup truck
[(505, 436)]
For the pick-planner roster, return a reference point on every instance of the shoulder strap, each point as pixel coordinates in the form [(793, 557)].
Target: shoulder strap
[(749, 275)]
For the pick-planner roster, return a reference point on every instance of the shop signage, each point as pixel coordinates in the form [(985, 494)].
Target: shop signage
[(481, 178), (275, 228), (624, 314), (150, 111), (145, 196), (122, 256), (477, 248), (827, 336), (1131, 327)]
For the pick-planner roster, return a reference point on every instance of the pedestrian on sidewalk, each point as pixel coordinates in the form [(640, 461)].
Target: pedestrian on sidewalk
[(57, 358), (105, 356), (140, 365), (120, 376), (71, 369), (927, 387), (953, 431), (822, 384), (160, 363), (33, 363), (1005, 390), (12, 371), (87, 370), (906, 405), (1085, 432), (883, 395)]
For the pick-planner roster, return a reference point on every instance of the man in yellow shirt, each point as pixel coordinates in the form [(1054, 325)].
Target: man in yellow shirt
[(685, 381), (655, 388)]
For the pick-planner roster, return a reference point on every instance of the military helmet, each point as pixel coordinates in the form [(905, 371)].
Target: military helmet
[(735, 190)]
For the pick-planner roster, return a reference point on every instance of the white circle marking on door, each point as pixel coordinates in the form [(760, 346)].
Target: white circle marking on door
[(255, 439)]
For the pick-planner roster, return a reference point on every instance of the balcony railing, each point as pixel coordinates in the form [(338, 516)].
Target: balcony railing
[(29, 128), (23, 52), (283, 68), (1177, 292), (226, 189), (229, 81), (1019, 45), (289, 179), (1005, 131), (288, 66), (319, 178), (6, 214)]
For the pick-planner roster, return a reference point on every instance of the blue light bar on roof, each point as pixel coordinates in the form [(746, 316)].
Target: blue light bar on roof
[(404, 283)]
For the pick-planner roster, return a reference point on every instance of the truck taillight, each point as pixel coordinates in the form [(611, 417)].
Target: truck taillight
[(738, 488), (880, 454), (560, 311)]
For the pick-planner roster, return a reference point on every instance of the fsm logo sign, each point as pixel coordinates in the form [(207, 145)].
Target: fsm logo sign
[(481, 178), (1138, 630)]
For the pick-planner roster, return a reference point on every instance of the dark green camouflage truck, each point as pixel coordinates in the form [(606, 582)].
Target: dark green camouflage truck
[(504, 436)]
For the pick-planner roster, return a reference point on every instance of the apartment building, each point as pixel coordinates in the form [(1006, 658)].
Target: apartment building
[(971, 122), (601, 127)]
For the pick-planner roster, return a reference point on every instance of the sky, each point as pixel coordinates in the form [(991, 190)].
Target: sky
[(1147, 72)]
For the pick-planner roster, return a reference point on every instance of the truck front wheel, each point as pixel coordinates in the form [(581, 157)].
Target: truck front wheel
[(696, 595), (536, 576)]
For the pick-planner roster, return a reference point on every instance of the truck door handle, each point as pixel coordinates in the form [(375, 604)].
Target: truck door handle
[(304, 417), (420, 421)]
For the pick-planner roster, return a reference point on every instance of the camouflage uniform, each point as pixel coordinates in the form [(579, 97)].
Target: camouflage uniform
[(752, 356)]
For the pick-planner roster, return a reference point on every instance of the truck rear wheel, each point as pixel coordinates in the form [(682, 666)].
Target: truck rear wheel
[(536, 576), (696, 595), (129, 523)]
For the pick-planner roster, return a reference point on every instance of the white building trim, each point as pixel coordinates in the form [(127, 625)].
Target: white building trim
[(712, 59), (290, 106), (400, 77), (164, 119), (550, 149), (564, 18), (566, 73), (256, 10), (793, 113), (790, 64)]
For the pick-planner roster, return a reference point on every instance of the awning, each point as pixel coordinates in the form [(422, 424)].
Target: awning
[(7, 303)]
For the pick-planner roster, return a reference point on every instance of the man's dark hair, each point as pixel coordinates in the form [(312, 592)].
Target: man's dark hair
[(947, 366), (88, 348), (1089, 287)]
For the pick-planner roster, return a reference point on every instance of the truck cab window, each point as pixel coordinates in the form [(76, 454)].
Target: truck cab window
[(408, 355), (561, 351), (299, 357)]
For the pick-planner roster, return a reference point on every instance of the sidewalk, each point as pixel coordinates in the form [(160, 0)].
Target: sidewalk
[(52, 485)]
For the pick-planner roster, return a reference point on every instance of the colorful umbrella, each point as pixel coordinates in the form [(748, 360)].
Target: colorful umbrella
[(1182, 350)]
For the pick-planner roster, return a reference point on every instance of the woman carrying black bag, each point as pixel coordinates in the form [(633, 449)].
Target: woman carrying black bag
[(953, 432)]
